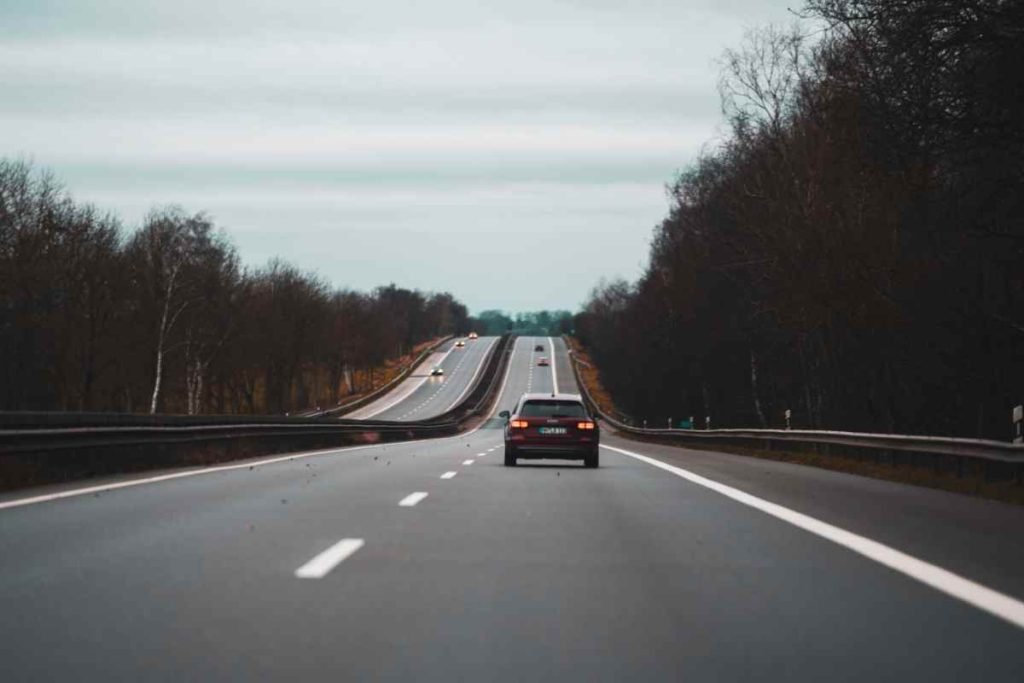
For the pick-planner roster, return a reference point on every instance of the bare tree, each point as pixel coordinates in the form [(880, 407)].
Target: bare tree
[(760, 81), (163, 254)]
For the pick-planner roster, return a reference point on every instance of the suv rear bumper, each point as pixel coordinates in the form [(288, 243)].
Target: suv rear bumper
[(575, 451)]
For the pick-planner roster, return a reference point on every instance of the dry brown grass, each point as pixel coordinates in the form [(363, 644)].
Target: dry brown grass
[(591, 377)]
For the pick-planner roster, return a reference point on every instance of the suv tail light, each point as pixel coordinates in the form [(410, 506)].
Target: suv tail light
[(584, 425), (519, 424)]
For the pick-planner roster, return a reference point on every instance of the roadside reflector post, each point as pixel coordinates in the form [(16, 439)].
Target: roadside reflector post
[(707, 422), (645, 423), (1018, 424), (789, 414), (670, 423)]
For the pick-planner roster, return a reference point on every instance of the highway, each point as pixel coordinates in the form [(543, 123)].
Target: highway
[(421, 395), (431, 561)]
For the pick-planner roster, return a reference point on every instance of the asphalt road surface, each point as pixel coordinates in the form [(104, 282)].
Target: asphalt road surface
[(431, 561), (421, 395)]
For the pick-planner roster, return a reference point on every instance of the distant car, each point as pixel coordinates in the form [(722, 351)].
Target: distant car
[(543, 362), (473, 335), (550, 426), (459, 344), (436, 371), (538, 347)]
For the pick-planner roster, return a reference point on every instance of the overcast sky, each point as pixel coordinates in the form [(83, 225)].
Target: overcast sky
[(512, 153)]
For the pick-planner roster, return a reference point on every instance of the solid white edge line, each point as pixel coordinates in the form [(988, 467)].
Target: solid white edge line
[(995, 603), (412, 499), (448, 475), (554, 362), (321, 565), (479, 367), (413, 390), (100, 488)]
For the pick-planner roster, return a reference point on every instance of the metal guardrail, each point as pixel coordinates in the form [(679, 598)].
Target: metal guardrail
[(46, 440), (28, 432), (976, 449)]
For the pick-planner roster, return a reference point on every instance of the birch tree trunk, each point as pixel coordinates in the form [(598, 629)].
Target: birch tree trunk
[(161, 343), (194, 382), (753, 388), (161, 337)]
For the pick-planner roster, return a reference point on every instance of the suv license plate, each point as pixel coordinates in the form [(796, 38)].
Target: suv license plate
[(552, 430)]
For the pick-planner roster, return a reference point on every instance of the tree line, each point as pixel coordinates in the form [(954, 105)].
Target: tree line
[(166, 318), (532, 323), (853, 251)]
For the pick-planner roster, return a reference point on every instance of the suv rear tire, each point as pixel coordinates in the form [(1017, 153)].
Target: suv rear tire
[(591, 460), (510, 457)]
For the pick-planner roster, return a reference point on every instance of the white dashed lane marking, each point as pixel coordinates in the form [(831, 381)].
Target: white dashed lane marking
[(467, 462), (321, 565), (448, 475), (412, 499)]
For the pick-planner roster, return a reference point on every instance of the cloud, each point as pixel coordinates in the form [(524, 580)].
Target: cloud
[(528, 143)]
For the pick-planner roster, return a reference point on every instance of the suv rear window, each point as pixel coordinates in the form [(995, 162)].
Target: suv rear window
[(553, 409)]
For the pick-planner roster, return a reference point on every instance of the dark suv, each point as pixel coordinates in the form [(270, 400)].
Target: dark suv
[(550, 426)]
